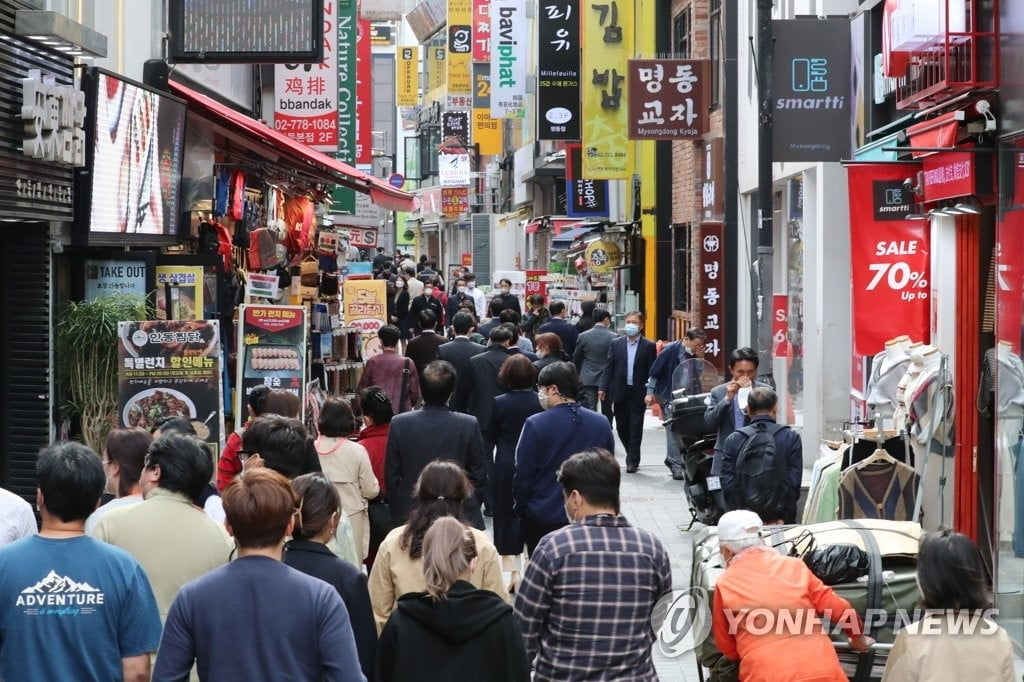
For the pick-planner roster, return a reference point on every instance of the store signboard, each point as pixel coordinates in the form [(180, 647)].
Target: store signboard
[(261, 286), (179, 292), (362, 237), (53, 120), (607, 30), (950, 175), (171, 369), (603, 257), (481, 31), (486, 129), (712, 277), (365, 307), (1010, 278), (890, 261), (455, 129), (407, 79), (558, 70), (106, 277), (364, 93), (668, 99), (271, 352), (343, 199), (509, 45), (454, 201), (536, 282), (453, 170), (460, 45), (713, 187)]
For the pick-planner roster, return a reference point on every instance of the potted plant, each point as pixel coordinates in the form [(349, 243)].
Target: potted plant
[(87, 355)]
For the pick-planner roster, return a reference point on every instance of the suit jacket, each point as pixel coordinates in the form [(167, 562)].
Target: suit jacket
[(719, 417), (565, 331), (591, 354), (480, 388), (423, 349), (454, 301), (458, 352), (421, 303), (417, 438), (613, 379)]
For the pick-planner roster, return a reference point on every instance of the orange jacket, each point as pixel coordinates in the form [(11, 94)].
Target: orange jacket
[(766, 614)]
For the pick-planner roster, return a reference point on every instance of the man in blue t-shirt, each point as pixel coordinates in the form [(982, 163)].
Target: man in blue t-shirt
[(71, 607)]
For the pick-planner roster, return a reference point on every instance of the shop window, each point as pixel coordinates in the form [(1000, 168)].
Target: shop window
[(430, 137), (682, 33), (715, 48), (682, 267)]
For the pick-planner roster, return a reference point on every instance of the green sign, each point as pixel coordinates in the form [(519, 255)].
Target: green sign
[(343, 199)]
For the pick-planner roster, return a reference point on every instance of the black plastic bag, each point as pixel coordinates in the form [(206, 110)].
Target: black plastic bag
[(838, 563)]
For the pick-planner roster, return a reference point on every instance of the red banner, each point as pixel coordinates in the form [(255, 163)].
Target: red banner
[(364, 93), (535, 284), (780, 327), (948, 175), (1010, 278), (481, 30), (889, 257)]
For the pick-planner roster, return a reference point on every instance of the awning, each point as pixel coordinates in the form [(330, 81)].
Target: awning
[(569, 236), (936, 132), (328, 169), (557, 225)]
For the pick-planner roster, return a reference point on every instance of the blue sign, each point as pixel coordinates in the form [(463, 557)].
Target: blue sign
[(397, 180), (586, 198)]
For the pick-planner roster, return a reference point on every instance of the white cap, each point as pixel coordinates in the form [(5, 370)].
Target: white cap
[(739, 525)]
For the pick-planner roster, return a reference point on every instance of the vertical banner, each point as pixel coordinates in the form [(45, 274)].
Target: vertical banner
[(889, 256), (407, 79), (486, 130), (536, 283), (179, 292), (1010, 279), (171, 369), (436, 73), (812, 84), (558, 70), (509, 46), (584, 198), (343, 199), (667, 99), (607, 47), (712, 292), (271, 352), (460, 46), (364, 93), (365, 307), (482, 31)]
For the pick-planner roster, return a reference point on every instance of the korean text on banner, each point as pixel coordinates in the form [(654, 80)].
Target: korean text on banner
[(486, 130), (558, 70), (584, 198), (436, 73), (343, 199), (482, 31), (305, 98), (179, 292), (712, 263), (509, 45), (536, 282), (667, 99), (1010, 278), (271, 352), (407, 81), (364, 93), (460, 46), (889, 256), (607, 46), (365, 306)]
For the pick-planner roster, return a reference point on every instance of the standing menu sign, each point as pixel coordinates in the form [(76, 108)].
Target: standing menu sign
[(171, 368), (365, 307), (272, 352)]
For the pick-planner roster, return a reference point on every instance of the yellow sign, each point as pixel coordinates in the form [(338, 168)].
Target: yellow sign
[(486, 130), (602, 257), (365, 306), (607, 47), (179, 292), (435, 67), (407, 77), (460, 46)]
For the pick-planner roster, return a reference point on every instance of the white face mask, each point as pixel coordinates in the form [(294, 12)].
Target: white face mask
[(505, 290), (471, 285), (428, 291), (399, 284), (568, 515), (545, 399), (461, 290)]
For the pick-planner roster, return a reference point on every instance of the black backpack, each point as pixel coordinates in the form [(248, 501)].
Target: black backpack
[(761, 472)]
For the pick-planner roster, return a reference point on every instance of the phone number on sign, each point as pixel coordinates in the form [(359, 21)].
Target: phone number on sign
[(293, 125)]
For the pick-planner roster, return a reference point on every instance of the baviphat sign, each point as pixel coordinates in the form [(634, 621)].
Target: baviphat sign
[(53, 117)]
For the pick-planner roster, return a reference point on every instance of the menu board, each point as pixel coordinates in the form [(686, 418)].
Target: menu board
[(272, 352)]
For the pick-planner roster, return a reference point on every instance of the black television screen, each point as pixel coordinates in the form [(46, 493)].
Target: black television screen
[(131, 190), (248, 31)]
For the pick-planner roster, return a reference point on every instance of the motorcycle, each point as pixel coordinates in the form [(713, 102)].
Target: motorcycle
[(691, 388)]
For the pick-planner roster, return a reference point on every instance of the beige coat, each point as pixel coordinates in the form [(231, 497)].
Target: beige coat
[(347, 466), (929, 650), (395, 573)]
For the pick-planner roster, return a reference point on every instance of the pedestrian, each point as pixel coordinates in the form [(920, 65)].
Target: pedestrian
[(452, 631), (479, 299), (504, 295), (558, 325), (168, 533), (510, 412), (380, 259), (548, 439), (955, 591), (291, 626), (422, 264), (461, 349), (590, 358), (537, 315), (590, 589), (549, 350), (398, 305), (772, 588), (306, 551), (16, 517), (763, 463), (209, 499), (391, 371), (229, 466), (124, 453), (422, 350), (509, 316), (377, 415), (71, 607), (661, 384), (624, 385), (586, 321), (514, 347), (347, 465), (727, 401), (494, 310), (459, 296), (425, 301), (413, 283), (434, 432), (442, 489)]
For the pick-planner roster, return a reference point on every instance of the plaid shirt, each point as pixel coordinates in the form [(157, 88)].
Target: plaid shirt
[(585, 603)]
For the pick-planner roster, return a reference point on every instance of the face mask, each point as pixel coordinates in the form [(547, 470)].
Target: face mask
[(568, 515), (399, 284), (545, 400), (428, 291), (632, 329), (541, 353), (471, 285), (505, 290), (462, 290)]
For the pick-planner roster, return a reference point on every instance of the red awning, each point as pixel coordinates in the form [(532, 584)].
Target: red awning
[(935, 132), (556, 224), (380, 191)]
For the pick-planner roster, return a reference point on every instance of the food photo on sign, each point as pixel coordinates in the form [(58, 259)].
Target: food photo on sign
[(272, 343)]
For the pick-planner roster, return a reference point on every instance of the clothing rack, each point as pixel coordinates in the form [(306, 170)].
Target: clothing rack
[(946, 391)]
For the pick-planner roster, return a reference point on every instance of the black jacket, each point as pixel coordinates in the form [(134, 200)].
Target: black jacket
[(418, 305), (510, 301), (458, 352), (480, 386), (313, 558), (565, 331), (613, 379), (470, 635), (423, 349)]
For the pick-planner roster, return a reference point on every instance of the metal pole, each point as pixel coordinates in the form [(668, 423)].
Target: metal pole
[(765, 191)]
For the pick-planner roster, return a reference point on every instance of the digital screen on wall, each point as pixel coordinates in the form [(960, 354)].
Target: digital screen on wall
[(247, 31), (130, 190)]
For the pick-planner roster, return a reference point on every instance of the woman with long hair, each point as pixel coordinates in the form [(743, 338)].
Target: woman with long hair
[(398, 303), (956, 639), (124, 452), (451, 631), (548, 347), (440, 491), (377, 415)]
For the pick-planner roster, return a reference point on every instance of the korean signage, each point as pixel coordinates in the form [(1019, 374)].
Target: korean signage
[(380, 34), (109, 277), (271, 352), (453, 170), (343, 198), (53, 120), (455, 129), (536, 282), (713, 187), (558, 70), (890, 263), (364, 93), (486, 130), (607, 46), (365, 307), (436, 68), (171, 369), (454, 201), (712, 292), (407, 76), (948, 175), (509, 45), (179, 292), (305, 97), (481, 31), (584, 198), (603, 256), (460, 45), (811, 81), (667, 99)]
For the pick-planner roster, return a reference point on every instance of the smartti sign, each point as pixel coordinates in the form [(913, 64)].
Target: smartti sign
[(812, 90)]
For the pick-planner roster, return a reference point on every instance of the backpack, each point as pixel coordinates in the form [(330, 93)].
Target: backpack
[(761, 472)]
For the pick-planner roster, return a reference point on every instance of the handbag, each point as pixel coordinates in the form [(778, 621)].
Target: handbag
[(381, 521)]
